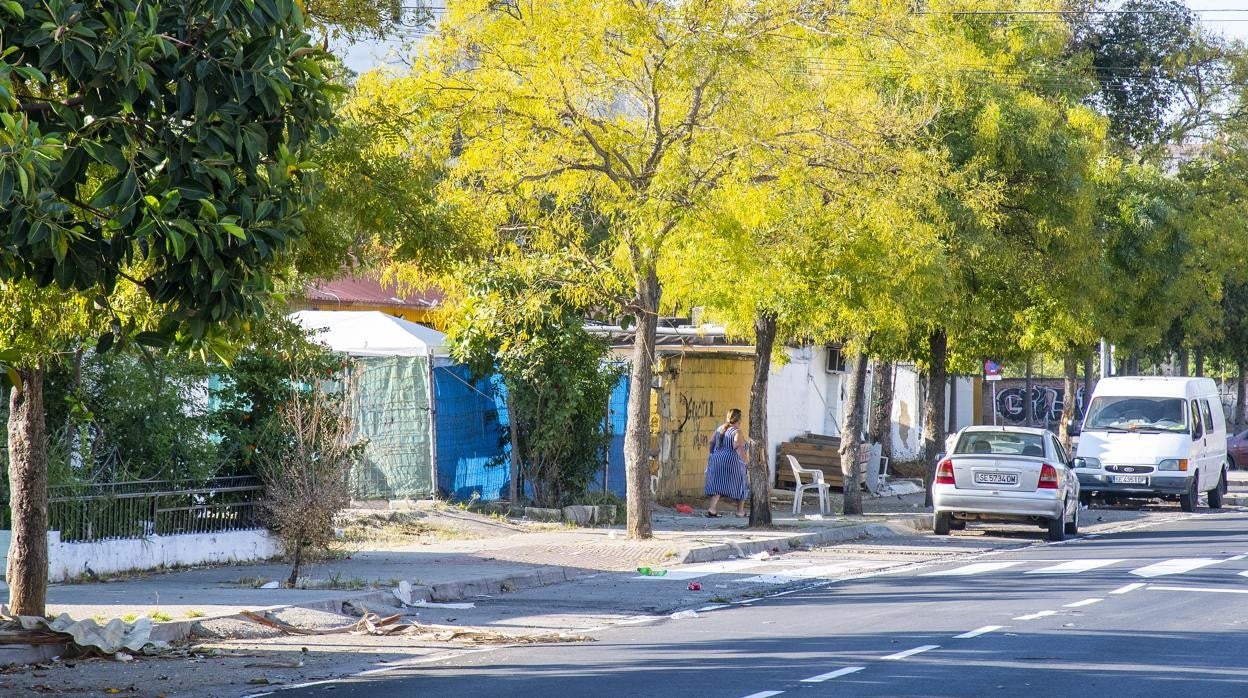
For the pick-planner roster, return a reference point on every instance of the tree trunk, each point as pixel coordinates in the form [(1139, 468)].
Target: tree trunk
[(851, 436), (27, 572), (1183, 359), (1200, 362), (1071, 368), (637, 430), (952, 405), (760, 474), (1029, 411), (293, 579), (933, 425), (513, 427), (881, 431), (1241, 394), (1087, 381)]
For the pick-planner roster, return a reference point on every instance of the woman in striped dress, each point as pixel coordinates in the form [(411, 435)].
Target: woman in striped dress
[(725, 466)]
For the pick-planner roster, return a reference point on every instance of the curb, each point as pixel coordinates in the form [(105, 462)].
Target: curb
[(180, 630)]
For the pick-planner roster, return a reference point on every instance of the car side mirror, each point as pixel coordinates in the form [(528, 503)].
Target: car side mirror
[(1079, 463)]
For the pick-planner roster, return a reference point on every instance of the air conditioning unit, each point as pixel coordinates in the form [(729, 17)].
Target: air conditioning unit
[(835, 362)]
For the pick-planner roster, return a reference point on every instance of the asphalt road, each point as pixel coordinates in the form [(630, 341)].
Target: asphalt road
[(1158, 611)]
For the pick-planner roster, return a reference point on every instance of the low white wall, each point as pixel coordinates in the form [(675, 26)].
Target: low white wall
[(68, 561)]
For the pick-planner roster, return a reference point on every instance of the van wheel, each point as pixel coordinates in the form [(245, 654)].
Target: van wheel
[(1215, 494), (942, 523), (1187, 500), (1057, 529), (1072, 527)]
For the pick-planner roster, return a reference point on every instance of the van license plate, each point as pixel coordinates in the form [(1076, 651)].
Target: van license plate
[(1129, 479), (996, 478)]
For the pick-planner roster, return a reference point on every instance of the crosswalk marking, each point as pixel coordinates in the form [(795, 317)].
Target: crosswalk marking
[(1176, 566), (786, 576), (911, 652), (1129, 588), (703, 569), (1073, 567), (834, 674), (978, 631), (1244, 573), (977, 568)]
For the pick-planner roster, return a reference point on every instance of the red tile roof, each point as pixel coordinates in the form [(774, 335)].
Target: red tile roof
[(354, 290)]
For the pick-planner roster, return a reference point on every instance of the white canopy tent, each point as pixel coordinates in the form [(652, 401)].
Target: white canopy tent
[(371, 333)]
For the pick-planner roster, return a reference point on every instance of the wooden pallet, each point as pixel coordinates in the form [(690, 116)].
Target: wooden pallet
[(811, 451)]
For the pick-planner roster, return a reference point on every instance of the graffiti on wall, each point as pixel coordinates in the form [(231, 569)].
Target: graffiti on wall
[(1047, 402)]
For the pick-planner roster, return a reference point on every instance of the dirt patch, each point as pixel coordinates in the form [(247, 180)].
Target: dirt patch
[(907, 469)]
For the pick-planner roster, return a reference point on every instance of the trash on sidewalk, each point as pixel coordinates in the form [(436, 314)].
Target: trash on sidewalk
[(684, 509), (87, 636), (760, 556), (372, 624), (271, 585), (651, 572), (694, 586), (813, 517), (404, 593), (681, 615), (418, 603)]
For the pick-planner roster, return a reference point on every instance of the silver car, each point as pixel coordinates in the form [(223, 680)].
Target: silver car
[(1006, 475)]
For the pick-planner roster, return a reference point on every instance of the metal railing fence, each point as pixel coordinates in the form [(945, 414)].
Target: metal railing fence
[(112, 511)]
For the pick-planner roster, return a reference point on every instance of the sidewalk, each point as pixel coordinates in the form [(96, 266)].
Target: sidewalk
[(452, 570)]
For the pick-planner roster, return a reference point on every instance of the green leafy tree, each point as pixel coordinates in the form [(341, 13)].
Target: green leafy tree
[(154, 145), (516, 321)]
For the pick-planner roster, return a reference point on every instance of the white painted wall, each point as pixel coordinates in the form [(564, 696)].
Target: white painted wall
[(67, 561), (802, 397), (909, 412)]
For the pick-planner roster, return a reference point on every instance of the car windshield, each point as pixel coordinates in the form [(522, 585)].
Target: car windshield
[(1137, 414), (1001, 443)]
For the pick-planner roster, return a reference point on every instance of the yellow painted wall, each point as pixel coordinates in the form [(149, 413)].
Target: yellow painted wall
[(696, 393)]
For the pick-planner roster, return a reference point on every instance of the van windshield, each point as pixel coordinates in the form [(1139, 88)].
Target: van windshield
[(1137, 414)]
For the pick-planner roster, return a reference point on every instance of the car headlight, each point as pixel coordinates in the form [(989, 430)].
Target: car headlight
[(1173, 464)]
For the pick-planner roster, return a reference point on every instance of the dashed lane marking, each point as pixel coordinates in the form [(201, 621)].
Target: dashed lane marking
[(978, 631), (1036, 615), (1085, 602), (834, 674), (912, 651), (1129, 588)]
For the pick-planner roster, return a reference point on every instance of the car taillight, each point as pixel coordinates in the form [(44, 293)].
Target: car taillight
[(944, 472), (1048, 477)]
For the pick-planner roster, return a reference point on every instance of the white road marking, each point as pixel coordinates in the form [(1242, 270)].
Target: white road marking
[(1204, 589), (812, 572), (764, 694), (1237, 557), (1244, 573), (1178, 565), (703, 570), (834, 674), (1085, 602), (912, 651), (1037, 614), (1073, 567), (977, 568), (978, 631)]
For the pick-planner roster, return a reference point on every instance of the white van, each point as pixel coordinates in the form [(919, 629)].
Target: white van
[(1153, 437)]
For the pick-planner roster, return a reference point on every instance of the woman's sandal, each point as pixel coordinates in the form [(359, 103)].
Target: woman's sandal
[(712, 515)]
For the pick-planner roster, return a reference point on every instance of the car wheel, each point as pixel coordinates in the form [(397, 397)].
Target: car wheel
[(1072, 526), (942, 523), (1231, 461), (1057, 529), (1187, 500), (1215, 494)]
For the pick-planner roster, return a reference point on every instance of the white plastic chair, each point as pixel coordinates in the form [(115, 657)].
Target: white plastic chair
[(816, 483)]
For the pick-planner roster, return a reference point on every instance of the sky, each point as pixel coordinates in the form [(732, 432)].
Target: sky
[(1220, 15)]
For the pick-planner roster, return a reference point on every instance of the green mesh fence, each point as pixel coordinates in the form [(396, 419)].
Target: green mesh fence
[(390, 407)]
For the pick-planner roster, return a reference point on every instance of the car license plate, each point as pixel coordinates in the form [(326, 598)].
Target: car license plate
[(1129, 479), (996, 478)]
